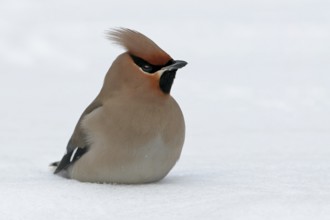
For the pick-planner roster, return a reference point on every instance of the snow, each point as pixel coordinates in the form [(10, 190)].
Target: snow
[(255, 96)]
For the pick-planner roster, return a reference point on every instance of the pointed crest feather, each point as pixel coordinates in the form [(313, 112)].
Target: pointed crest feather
[(139, 45)]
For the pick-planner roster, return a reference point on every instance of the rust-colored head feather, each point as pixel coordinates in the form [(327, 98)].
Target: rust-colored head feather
[(139, 45)]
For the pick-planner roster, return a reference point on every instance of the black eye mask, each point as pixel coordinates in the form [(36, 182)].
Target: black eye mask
[(147, 67)]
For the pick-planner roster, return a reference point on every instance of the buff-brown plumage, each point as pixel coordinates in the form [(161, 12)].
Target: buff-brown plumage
[(139, 45), (134, 130)]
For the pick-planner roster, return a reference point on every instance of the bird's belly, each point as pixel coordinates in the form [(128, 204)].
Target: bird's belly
[(130, 165)]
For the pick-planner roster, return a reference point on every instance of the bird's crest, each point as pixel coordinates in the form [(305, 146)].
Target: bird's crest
[(139, 45)]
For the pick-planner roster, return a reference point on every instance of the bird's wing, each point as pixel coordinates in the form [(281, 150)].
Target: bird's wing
[(77, 145)]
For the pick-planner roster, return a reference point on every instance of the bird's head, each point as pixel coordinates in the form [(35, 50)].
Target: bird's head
[(144, 65)]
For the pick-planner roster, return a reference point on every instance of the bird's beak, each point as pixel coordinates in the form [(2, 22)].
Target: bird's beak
[(177, 64)]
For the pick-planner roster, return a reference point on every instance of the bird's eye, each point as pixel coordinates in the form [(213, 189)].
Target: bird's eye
[(147, 68)]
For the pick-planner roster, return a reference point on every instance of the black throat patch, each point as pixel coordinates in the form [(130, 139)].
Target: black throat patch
[(166, 81)]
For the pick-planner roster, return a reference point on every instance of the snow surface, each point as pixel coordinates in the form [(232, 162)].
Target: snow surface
[(255, 95)]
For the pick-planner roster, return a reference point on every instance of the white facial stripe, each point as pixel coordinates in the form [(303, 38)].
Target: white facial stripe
[(145, 72), (159, 72)]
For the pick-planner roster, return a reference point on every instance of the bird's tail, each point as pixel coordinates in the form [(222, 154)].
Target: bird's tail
[(54, 165)]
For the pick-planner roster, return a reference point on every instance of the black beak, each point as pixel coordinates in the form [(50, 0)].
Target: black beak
[(177, 64)]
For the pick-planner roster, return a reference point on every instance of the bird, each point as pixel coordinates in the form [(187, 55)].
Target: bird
[(133, 132)]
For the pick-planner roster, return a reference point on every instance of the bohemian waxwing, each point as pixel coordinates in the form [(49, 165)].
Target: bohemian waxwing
[(133, 132)]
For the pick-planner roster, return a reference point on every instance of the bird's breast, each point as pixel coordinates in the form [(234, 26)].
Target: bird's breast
[(132, 143)]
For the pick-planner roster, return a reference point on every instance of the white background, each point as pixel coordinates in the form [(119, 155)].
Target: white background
[(255, 96)]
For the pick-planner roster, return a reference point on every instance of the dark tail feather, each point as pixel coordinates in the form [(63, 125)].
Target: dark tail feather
[(55, 164)]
